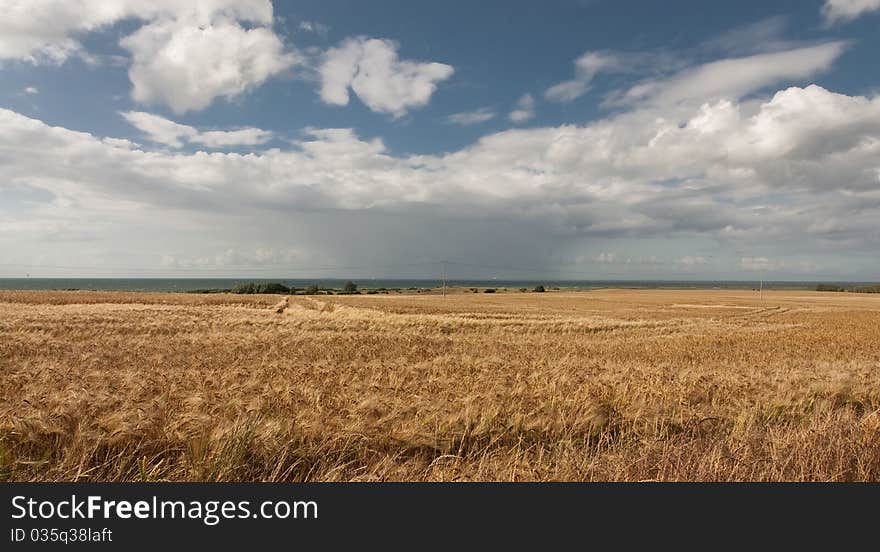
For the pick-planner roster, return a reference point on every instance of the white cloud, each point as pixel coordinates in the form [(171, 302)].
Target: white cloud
[(472, 117), (735, 78), (186, 67), (566, 91), (525, 109), (227, 138), (184, 55), (39, 31), (159, 129), (798, 172), (591, 64), (586, 68), (766, 59), (31, 90), (162, 131), (45, 30), (836, 11), (371, 69)]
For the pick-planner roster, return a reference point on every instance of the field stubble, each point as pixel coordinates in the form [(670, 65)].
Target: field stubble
[(602, 385)]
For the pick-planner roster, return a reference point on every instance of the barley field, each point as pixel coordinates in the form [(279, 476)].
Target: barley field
[(573, 386)]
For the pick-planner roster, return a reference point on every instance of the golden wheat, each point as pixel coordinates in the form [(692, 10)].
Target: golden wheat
[(602, 385)]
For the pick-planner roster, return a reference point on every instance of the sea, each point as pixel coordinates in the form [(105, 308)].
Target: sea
[(201, 284)]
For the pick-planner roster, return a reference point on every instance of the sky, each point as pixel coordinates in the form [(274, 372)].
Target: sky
[(572, 139)]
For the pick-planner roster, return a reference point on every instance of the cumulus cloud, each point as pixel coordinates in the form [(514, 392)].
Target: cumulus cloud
[(466, 118), (47, 30), (697, 155), (371, 68), (40, 31), (836, 11), (186, 67), (184, 54), (163, 131), (525, 109), (798, 172), (32, 90)]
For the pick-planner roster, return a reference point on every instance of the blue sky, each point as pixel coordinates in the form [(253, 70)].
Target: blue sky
[(577, 139)]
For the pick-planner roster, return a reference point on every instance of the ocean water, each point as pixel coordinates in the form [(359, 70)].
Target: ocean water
[(191, 284)]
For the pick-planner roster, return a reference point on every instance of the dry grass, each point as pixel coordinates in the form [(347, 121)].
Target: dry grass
[(603, 385)]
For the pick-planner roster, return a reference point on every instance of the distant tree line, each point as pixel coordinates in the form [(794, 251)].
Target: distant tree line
[(249, 288), (259, 287), (853, 289), (349, 288)]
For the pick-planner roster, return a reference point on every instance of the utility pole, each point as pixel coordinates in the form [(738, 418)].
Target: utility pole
[(761, 288), (443, 264)]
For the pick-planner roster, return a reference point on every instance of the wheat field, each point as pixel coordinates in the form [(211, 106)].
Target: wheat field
[(572, 386)]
